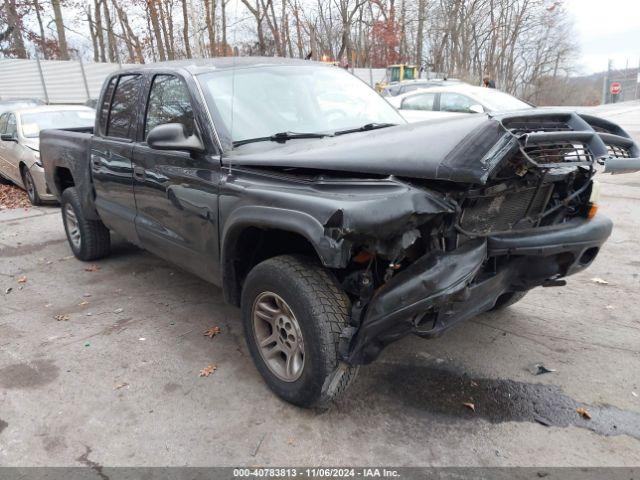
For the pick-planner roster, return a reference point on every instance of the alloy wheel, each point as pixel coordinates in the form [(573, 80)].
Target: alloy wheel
[(278, 336), (73, 229)]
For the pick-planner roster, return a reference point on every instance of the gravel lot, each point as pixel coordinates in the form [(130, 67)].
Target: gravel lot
[(100, 366)]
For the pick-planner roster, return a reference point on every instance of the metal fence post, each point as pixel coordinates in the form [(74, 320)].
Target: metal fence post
[(44, 84), (84, 79)]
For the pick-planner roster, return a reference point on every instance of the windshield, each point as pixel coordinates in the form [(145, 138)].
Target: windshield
[(260, 102), (497, 100), (33, 123)]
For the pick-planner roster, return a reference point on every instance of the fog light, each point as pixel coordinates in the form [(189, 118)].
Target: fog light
[(593, 209)]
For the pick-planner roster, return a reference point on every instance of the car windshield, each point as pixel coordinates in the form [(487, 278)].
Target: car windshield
[(33, 123), (497, 101), (6, 106), (260, 102)]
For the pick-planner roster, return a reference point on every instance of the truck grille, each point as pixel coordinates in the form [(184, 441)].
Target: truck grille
[(618, 151), (503, 212), (558, 152), (537, 124)]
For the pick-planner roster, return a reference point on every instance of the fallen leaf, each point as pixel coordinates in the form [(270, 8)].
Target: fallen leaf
[(470, 406), (583, 413), (118, 310), (211, 332), (22, 279), (84, 302), (92, 268), (62, 317), (208, 370), (539, 369), (599, 281), (8, 290), (609, 307), (121, 385), (473, 384), (634, 394)]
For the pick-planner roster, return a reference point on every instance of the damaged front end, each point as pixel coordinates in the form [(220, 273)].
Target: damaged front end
[(517, 211)]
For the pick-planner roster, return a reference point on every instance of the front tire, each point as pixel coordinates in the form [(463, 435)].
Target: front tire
[(293, 312), (88, 239)]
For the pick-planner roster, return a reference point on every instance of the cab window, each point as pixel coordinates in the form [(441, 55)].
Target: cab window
[(169, 102), (422, 101), (106, 102), (12, 128), (122, 116), (3, 123), (454, 102)]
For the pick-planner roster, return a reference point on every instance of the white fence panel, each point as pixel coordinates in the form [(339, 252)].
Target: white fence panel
[(64, 81), (20, 79)]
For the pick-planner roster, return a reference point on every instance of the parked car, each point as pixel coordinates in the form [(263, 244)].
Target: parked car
[(335, 226), (19, 146), (16, 103), (411, 85), (442, 102)]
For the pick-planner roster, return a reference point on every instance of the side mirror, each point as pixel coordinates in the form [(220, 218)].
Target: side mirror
[(7, 137), (476, 108), (172, 136)]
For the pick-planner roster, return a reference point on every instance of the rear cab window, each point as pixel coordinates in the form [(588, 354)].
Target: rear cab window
[(123, 114)]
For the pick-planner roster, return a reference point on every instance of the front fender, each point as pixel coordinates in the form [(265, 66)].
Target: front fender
[(332, 253)]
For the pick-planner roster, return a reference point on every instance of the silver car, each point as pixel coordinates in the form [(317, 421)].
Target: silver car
[(20, 145)]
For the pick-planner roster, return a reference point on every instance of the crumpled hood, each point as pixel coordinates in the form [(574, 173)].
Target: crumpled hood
[(451, 149)]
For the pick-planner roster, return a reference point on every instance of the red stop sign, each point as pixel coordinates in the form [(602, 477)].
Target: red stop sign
[(615, 88)]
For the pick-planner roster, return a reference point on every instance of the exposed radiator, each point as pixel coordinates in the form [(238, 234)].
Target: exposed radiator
[(506, 211)]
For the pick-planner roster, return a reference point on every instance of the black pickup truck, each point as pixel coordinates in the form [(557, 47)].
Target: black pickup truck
[(334, 225)]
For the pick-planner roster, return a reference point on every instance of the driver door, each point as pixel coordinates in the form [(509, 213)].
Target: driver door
[(176, 192)]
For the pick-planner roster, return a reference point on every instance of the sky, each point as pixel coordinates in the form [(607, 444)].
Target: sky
[(606, 29)]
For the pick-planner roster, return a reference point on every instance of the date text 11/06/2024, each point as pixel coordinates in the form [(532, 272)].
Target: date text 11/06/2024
[(316, 472)]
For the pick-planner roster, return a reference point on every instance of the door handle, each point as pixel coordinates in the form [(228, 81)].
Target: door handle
[(138, 173)]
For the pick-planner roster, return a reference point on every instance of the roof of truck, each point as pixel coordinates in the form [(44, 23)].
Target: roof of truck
[(202, 65)]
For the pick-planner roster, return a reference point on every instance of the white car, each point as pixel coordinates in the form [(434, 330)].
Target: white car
[(441, 102), (20, 143)]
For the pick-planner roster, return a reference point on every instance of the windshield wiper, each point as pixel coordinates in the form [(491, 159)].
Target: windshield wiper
[(365, 128), (281, 137)]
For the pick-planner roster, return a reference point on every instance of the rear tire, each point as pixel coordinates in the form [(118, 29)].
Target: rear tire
[(30, 187), (507, 299), (88, 239), (291, 303)]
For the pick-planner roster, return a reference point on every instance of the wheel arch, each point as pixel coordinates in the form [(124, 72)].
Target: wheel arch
[(253, 234)]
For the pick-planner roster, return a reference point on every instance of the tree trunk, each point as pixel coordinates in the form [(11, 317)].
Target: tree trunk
[(114, 57), (153, 15), (185, 30), (99, 31), (94, 36), (210, 28), (422, 4), (223, 5), (165, 33), (43, 39), (62, 38)]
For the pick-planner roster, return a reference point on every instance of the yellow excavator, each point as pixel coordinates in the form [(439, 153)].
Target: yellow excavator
[(396, 74)]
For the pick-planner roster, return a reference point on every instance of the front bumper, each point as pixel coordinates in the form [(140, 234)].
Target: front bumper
[(441, 289), (37, 173)]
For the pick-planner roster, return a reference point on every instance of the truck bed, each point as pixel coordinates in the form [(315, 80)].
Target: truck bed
[(66, 157)]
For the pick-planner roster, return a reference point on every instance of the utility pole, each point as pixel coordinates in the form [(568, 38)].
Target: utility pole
[(605, 83)]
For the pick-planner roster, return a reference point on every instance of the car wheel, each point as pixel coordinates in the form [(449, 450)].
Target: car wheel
[(507, 299), (293, 312), (30, 187), (88, 239)]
